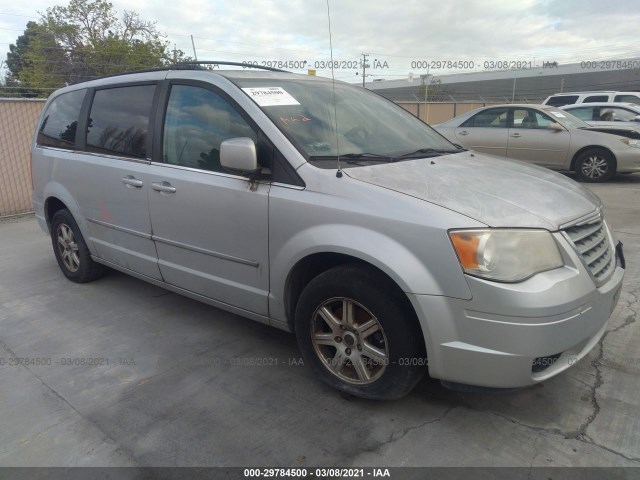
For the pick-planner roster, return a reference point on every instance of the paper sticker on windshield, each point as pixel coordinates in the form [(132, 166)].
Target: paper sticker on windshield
[(270, 96), (558, 114)]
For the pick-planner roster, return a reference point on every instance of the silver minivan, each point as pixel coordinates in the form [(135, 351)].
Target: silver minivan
[(324, 209)]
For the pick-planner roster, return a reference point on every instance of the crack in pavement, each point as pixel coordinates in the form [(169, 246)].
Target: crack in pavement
[(397, 435), (580, 434)]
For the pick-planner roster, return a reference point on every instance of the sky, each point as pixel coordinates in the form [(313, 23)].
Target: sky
[(410, 37)]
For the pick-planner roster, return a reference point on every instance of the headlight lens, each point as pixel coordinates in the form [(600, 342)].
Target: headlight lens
[(631, 143), (506, 255)]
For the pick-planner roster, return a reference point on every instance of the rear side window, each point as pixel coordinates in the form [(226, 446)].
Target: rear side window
[(119, 121), (585, 113), (596, 98), (628, 99), (614, 114), (563, 100), (60, 122), (492, 118)]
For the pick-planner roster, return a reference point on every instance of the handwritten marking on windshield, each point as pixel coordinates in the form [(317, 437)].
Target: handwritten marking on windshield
[(294, 119)]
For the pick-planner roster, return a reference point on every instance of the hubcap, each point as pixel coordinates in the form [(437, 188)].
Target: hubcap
[(594, 167), (68, 247), (350, 341)]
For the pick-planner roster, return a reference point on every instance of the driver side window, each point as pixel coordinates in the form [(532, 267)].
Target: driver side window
[(528, 118), (196, 123)]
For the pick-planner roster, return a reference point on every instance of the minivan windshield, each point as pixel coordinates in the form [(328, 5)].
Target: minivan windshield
[(369, 128)]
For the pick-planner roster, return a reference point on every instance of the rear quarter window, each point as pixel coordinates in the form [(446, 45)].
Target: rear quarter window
[(563, 100), (60, 121), (628, 99)]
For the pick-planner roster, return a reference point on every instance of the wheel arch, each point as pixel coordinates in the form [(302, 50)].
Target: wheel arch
[(310, 266), (51, 206), (593, 147)]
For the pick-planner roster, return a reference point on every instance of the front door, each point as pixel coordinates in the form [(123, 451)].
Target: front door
[(210, 226), (531, 139)]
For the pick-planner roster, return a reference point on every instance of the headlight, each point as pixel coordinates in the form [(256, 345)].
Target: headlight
[(631, 143), (506, 255)]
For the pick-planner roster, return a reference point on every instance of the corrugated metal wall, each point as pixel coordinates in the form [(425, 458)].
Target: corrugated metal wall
[(18, 119)]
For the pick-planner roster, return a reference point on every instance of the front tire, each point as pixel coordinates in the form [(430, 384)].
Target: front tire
[(595, 165), (359, 334), (71, 250)]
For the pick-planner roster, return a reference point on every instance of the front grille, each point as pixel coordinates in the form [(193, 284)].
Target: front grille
[(592, 242)]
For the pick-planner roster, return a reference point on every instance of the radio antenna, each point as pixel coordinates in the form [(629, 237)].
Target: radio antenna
[(333, 85)]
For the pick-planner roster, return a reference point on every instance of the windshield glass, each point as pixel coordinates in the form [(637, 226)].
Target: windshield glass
[(565, 118), (369, 127)]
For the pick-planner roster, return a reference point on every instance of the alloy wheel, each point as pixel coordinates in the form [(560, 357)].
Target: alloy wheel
[(594, 167), (350, 341), (68, 247)]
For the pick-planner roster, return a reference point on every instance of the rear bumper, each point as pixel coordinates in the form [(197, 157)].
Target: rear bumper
[(514, 335)]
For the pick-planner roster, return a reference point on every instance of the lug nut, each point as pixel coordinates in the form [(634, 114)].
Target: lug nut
[(338, 339), (342, 327), (359, 347), (348, 351)]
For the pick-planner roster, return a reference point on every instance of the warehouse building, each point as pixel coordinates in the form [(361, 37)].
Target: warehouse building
[(531, 85)]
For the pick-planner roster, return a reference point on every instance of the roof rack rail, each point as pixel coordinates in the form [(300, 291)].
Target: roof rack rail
[(186, 65), (180, 66)]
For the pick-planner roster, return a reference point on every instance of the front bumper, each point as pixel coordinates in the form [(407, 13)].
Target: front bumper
[(514, 335), (628, 160)]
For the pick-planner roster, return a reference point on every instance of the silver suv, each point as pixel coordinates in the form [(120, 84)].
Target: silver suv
[(326, 210)]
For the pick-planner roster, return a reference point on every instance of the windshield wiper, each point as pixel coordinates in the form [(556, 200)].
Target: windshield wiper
[(367, 156), (349, 157), (425, 151)]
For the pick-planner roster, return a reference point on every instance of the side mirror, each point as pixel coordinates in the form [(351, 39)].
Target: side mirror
[(556, 126), (239, 155)]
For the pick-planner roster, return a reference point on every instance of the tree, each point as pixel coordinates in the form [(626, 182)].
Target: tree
[(16, 59), (83, 40)]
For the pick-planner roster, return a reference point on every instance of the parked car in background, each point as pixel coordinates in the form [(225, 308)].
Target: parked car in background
[(546, 136), (570, 98), (605, 113)]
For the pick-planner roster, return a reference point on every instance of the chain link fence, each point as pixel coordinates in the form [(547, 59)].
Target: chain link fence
[(18, 119)]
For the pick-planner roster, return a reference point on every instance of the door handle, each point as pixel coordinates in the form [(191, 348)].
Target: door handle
[(131, 181), (463, 132), (165, 187), (516, 135)]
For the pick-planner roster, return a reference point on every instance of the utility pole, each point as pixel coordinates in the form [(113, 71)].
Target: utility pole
[(194, 49), (364, 67), (562, 85)]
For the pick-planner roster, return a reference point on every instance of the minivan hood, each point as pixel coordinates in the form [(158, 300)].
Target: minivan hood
[(491, 190)]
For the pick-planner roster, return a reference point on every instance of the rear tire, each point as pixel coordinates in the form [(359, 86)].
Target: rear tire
[(71, 250), (359, 334), (595, 165)]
